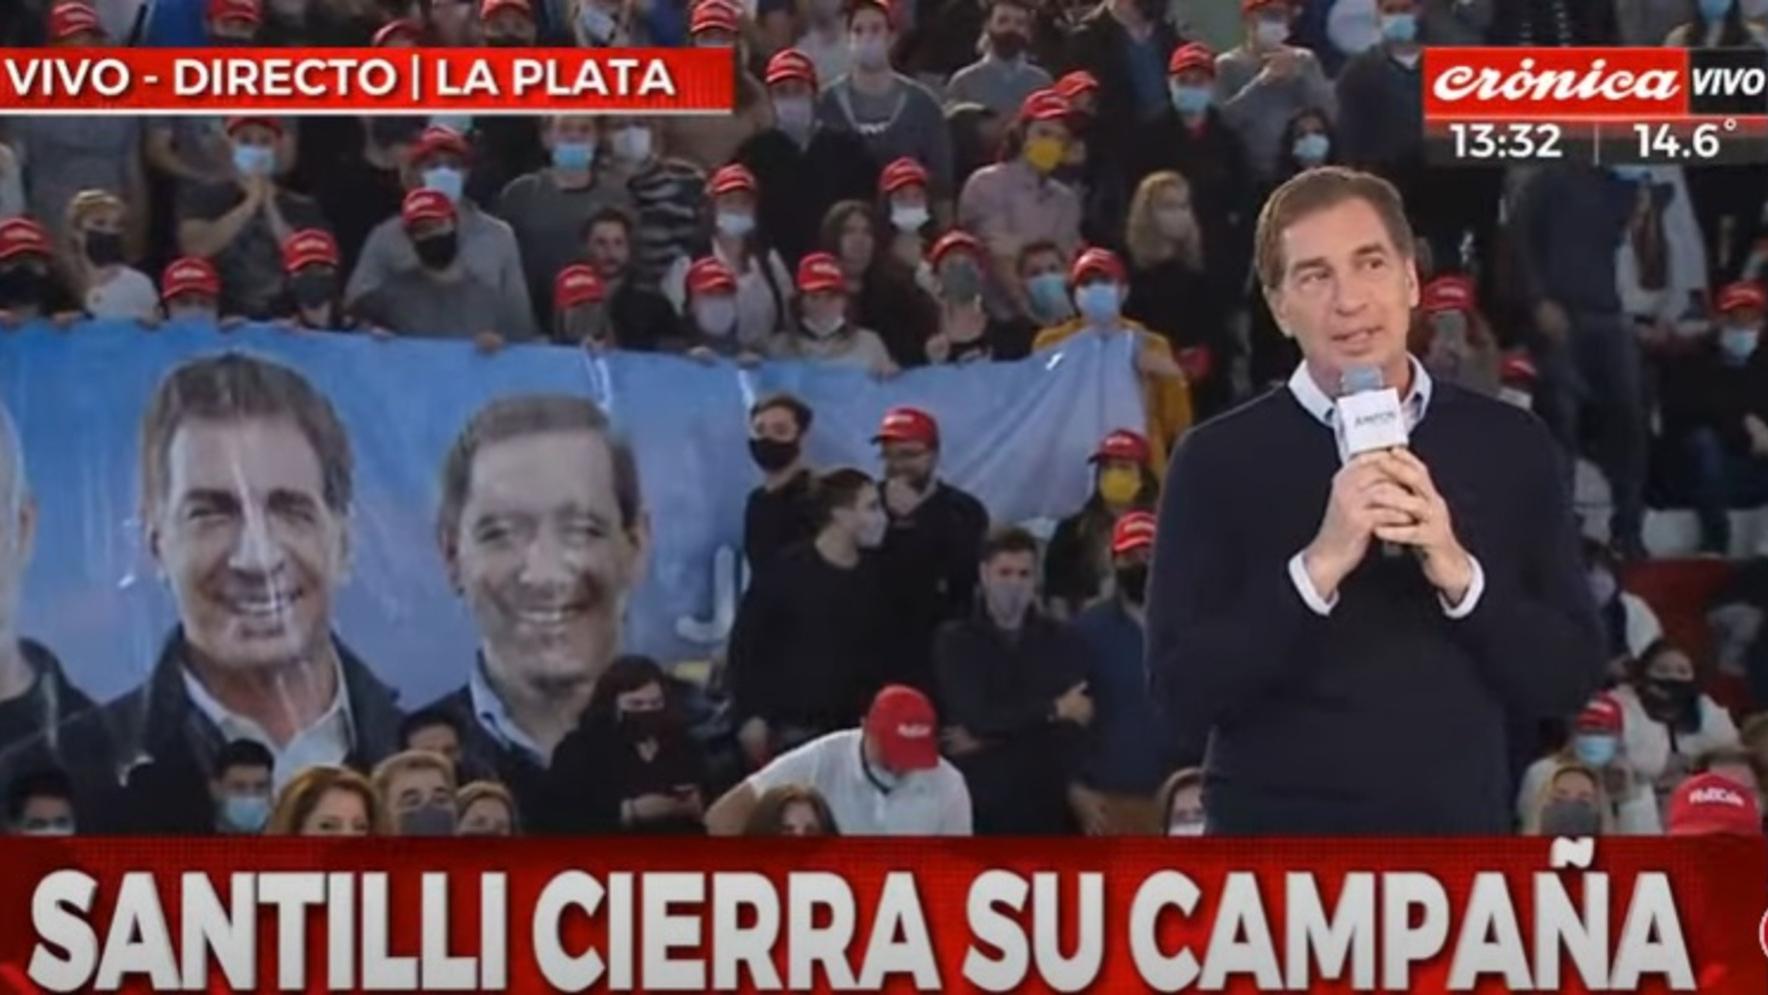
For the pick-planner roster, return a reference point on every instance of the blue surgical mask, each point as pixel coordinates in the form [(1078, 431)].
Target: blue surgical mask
[(1098, 302), (1401, 28), (597, 23), (1049, 297), (1188, 99), (1595, 750), (1714, 10), (445, 180), (254, 160), (245, 813), (1310, 149), (735, 224), (574, 156), (1738, 342)]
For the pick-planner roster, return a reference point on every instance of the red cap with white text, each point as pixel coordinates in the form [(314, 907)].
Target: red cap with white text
[(904, 729)]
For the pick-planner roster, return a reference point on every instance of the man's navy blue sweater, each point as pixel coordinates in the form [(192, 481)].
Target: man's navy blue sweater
[(1386, 717)]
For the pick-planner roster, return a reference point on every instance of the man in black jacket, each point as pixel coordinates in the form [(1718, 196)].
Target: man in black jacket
[(1344, 688), (1125, 45), (246, 490), (1013, 695), (544, 535), (781, 512), (640, 318), (928, 559)]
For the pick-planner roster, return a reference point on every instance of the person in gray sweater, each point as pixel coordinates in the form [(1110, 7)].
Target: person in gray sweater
[(442, 297), (1264, 82)]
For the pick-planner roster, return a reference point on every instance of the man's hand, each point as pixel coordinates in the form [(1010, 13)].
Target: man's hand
[(1352, 515), (1281, 65), (752, 737), (1157, 363), (1075, 706), (1758, 433), (1447, 565), (487, 342), (939, 347), (1089, 809), (649, 808), (1552, 321), (958, 742)]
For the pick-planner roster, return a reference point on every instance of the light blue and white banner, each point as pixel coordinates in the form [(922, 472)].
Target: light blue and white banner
[(1017, 435)]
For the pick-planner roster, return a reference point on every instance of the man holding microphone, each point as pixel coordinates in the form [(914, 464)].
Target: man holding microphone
[(1352, 599)]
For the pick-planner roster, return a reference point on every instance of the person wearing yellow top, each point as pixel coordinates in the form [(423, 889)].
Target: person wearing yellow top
[(1099, 282)]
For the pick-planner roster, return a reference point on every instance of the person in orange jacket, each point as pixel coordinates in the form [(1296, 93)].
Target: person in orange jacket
[(1099, 284)]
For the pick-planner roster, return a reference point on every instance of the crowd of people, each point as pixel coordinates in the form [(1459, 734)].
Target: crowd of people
[(901, 184)]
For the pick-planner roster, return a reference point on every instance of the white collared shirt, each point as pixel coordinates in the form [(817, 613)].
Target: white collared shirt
[(932, 802), (1416, 404), (327, 741), (494, 717)]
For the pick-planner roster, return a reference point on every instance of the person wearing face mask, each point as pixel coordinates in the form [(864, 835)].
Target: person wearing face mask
[(485, 245), (1451, 335), (1718, 24), (902, 200), (894, 115), (580, 313), (1130, 747), (1715, 414), (762, 284), (956, 270), (1172, 291), (194, 150), (638, 317), (1596, 742), (1078, 570), (1004, 76), (548, 208), (803, 166), (1012, 683), (240, 223), (808, 646), (1380, 99), (782, 511), (823, 331), (508, 24), (1261, 83), (1125, 45), (241, 788), (884, 778), (315, 297), (442, 297), (710, 142), (1571, 803), (1670, 721), (1015, 201), (883, 292), (190, 291), (668, 196), (712, 321), (95, 260), (40, 803), (416, 790), (353, 166), (1042, 274), (630, 765), (1098, 281)]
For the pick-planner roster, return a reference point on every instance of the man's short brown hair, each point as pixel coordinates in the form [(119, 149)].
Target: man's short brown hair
[(237, 387), (1315, 190), (532, 414), (1007, 539), (801, 412)]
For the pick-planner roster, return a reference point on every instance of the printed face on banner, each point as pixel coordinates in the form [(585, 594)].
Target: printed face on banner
[(247, 541), (543, 557)]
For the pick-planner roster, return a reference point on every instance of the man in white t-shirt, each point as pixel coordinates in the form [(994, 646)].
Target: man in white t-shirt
[(883, 779)]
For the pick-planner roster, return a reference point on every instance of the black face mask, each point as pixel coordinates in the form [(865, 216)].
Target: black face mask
[(313, 290), (1669, 698), (772, 455), (104, 248), (23, 286), (437, 251), (649, 724), (1133, 582)]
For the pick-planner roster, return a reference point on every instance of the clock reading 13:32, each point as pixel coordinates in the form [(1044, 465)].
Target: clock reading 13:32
[(1479, 140)]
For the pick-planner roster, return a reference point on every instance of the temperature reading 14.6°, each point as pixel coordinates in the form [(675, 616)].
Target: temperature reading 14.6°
[(1660, 142)]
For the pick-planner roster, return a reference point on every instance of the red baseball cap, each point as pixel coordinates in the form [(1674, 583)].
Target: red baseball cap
[(402, 29), (789, 64), (308, 247), (820, 271), (734, 178), (577, 284), (715, 15), (1713, 803), (1518, 368), (903, 728), (1122, 444), (189, 275), (903, 172), (490, 7), (1602, 714), (1452, 292), (1134, 530), (1077, 84), (233, 124), (1742, 294), (1096, 262), (906, 424), (1252, 5), (235, 10), (709, 275), (955, 240), (439, 138), (424, 204), (1044, 105), (72, 17), (881, 6), (1191, 56), (23, 236)]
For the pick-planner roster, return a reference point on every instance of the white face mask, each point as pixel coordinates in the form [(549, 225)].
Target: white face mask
[(716, 315), (632, 145), (909, 217), (1184, 829), (1272, 32)]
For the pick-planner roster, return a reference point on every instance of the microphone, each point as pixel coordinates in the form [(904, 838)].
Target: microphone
[(1369, 418)]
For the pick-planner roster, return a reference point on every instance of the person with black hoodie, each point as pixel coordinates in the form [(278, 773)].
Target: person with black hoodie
[(782, 511)]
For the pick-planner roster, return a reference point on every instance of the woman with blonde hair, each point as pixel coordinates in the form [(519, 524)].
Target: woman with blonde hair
[(1572, 802), (1171, 291), (92, 259), (325, 800), (486, 808)]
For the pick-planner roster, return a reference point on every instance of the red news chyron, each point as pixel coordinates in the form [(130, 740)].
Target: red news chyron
[(330, 81)]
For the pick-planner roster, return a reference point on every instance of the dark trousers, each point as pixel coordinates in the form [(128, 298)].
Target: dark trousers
[(1600, 368), (1721, 478)]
